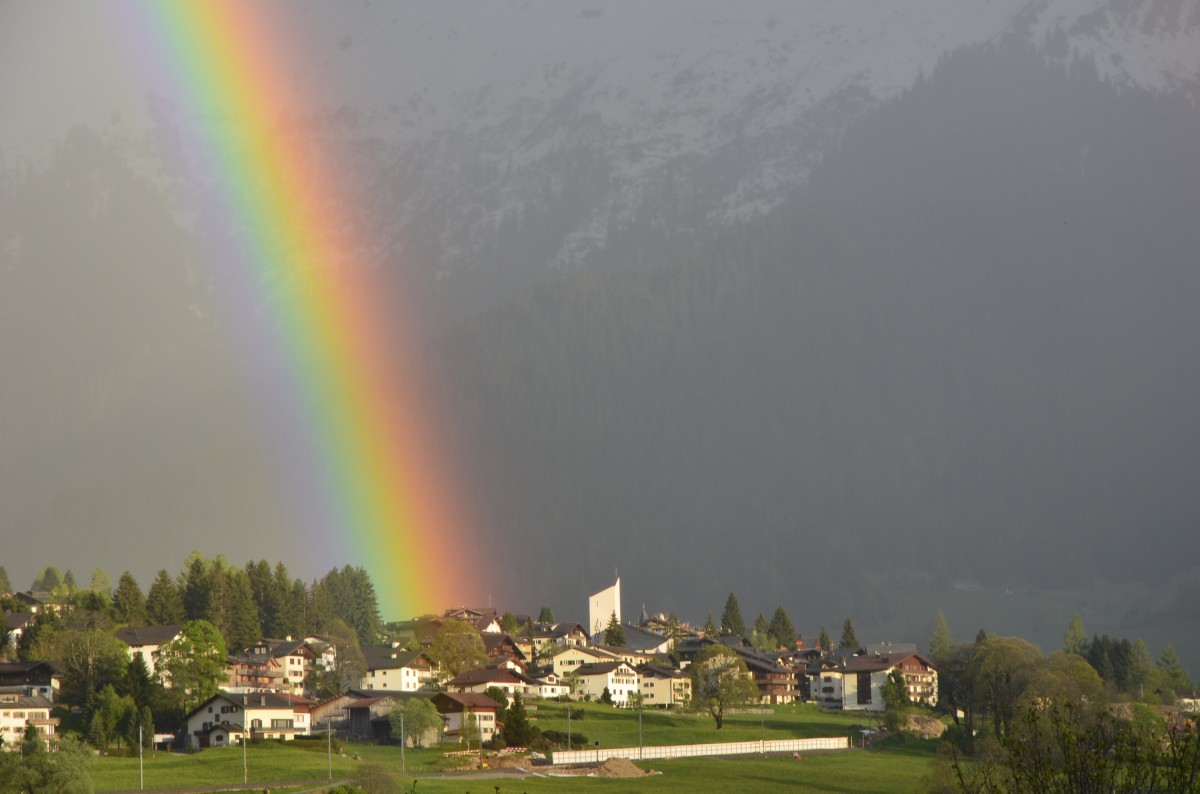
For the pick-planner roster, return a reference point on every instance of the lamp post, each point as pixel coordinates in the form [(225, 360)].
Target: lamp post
[(329, 746), (569, 727), (141, 769), (403, 741)]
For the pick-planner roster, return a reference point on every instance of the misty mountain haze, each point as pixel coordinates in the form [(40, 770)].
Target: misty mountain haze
[(818, 302)]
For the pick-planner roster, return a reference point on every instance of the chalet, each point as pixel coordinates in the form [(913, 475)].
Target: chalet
[(396, 669), (664, 686), (617, 677), (266, 715), (18, 711), (499, 647), (455, 706), (257, 673), (144, 641), (295, 659), (502, 678), (855, 681), (31, 678), (485, 621), (776, 683)]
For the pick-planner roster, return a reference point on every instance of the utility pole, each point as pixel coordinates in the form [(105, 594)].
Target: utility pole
[(329, 746), (141, 768), (569, 727), (403, 740), (245, 728)]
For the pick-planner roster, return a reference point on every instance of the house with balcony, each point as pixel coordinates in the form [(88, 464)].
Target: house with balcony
[(395, 669), (226, 717), (17, 711), (855, 681), (455, 708)]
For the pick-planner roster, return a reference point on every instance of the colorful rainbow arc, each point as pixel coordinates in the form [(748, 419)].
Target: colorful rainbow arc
[(384, 489)]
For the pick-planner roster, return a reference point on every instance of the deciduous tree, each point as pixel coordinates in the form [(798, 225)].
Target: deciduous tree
[(457, 647), (419, 717), (194, 662), (720, 681)]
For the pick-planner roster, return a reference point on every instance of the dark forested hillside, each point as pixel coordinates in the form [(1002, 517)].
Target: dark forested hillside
[(964, 352)]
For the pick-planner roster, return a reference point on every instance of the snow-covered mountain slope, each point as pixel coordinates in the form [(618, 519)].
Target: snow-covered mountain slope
[(559, 122), (678, 114)]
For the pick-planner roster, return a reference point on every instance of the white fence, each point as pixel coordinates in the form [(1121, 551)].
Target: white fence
[(694, 750)]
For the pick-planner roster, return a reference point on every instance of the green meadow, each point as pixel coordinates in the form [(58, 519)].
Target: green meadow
[(898, 765)]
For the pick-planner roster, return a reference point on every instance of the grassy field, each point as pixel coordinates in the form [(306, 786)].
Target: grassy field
[(897, 767)]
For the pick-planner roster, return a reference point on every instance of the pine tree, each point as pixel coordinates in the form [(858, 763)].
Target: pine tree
[(614, 632), (69, 581), (164, 605), (940, 642), (848, 640), (782, 628), (545, 616), (129, 605), (710, 628), (824, 641), (731, 618), (5, 585), (1075, 639)]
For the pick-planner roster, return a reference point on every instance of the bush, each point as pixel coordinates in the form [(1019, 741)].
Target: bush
[(559, 738)]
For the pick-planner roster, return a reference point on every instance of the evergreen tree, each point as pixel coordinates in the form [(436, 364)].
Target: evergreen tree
[(69, 581), (710, 628), (824, 641), (1075, 640), (196, 587), (981, 636), (244, 628), (731, 618), (288, 621), (614, 632), (1172, 666), (848, 640), (49, 580), (164, 604), (782, 628), (940, 642), (5, 585), (761, 634), (545, 616), (129, 606), (508, 622), (262, 590), (100, 582), (518, 731)]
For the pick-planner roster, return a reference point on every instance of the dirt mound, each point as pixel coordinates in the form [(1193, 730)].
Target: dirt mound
[(619, 767), (925, 727)]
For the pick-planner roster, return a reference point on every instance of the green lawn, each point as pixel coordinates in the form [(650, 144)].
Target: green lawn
[(898, 767)]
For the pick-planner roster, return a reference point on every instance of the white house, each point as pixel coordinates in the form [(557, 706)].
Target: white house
[(455, 706), (144, 641), (17, 711), (225, 716), (855, 682), (396, 670), (617, 677)]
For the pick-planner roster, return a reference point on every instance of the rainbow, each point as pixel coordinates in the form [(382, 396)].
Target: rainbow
[(365, 469)]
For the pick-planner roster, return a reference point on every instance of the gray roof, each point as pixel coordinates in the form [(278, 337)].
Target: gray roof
[(136, 636)]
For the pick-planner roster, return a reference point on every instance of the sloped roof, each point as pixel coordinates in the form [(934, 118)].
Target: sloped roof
[(137, 636)]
